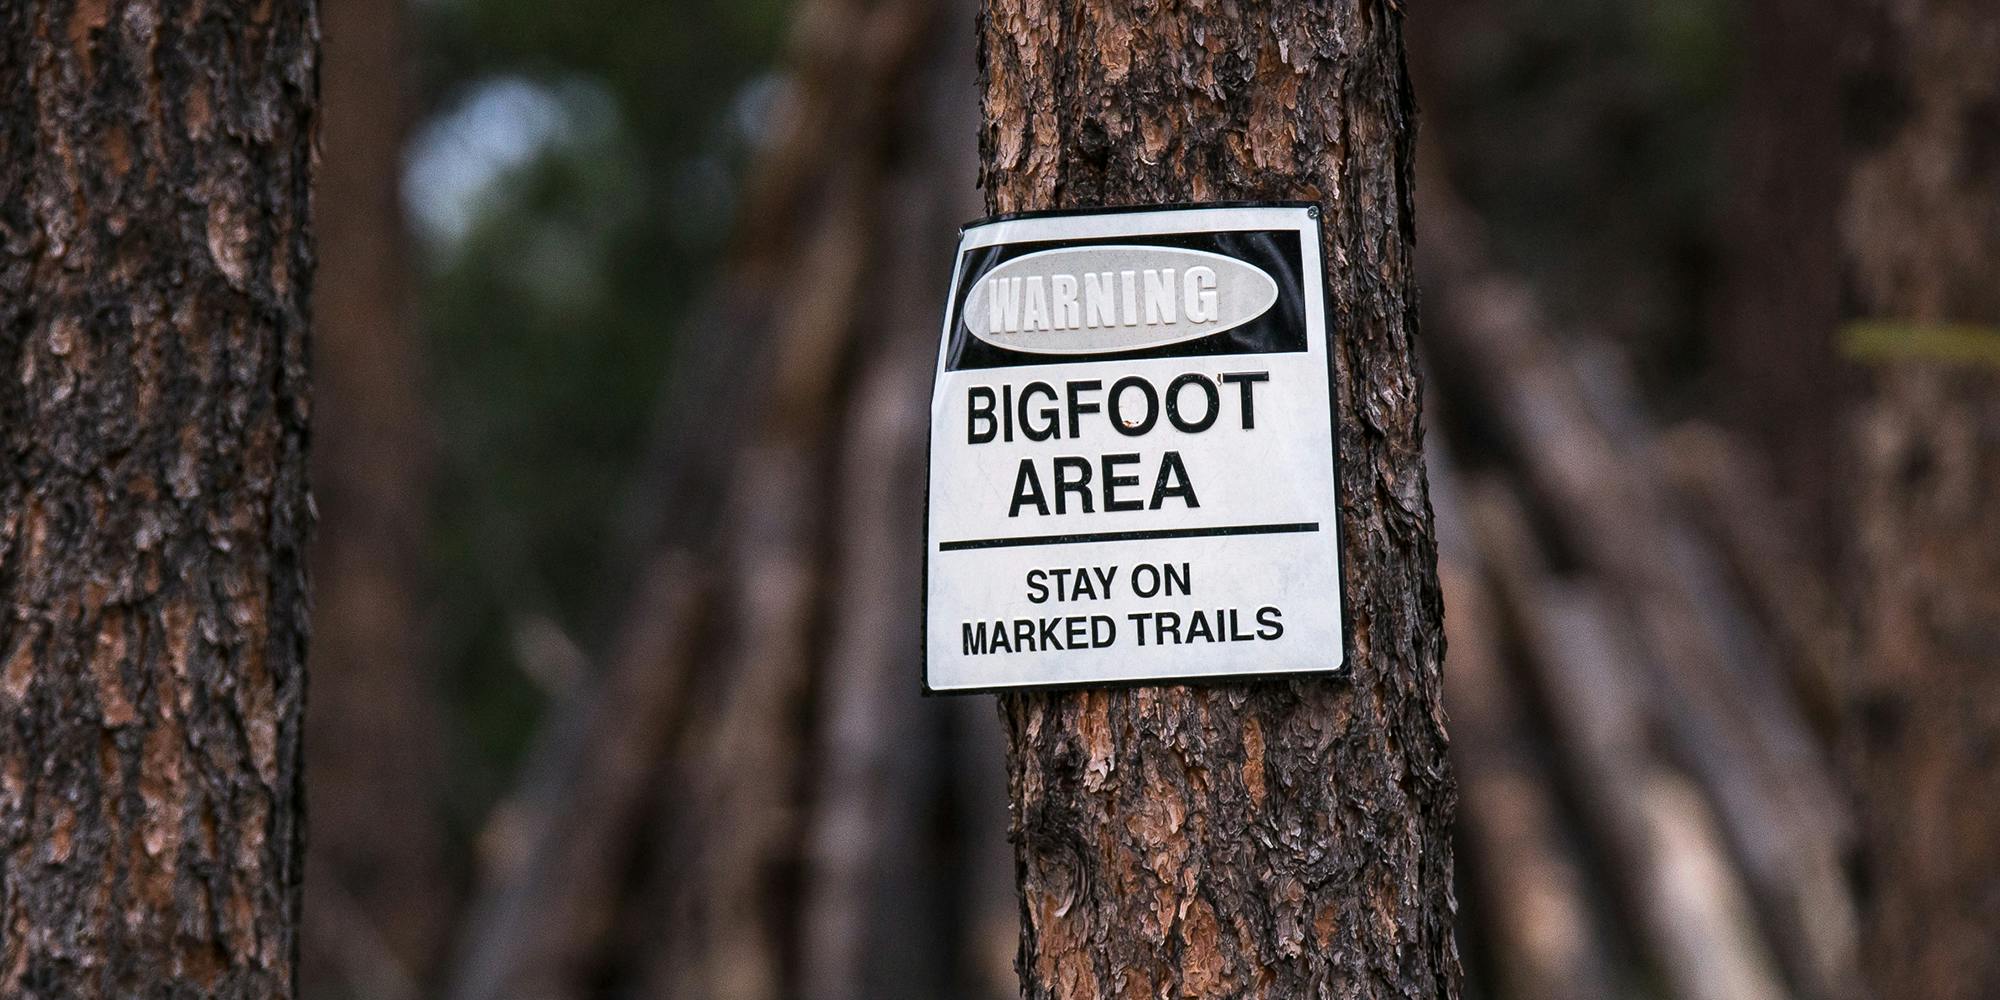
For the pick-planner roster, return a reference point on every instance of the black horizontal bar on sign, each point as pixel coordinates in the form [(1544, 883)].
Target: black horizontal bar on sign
[(1129, 536)]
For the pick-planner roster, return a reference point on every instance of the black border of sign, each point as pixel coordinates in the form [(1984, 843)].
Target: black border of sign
[(1333, 333)]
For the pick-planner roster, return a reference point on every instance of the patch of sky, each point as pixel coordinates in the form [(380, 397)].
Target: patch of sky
[(456, 161)]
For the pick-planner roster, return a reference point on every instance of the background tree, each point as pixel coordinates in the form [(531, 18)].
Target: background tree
[(1921, 233), (154, 288), (751, 799), (381, 891), (1776, 372), (1272, 839)]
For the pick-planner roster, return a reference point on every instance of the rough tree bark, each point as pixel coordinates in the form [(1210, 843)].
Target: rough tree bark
[(1282, 839), (380, 895), (1921, 229), (156, 165)]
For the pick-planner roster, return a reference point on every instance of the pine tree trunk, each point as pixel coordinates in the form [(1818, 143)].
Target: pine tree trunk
[(1921, 230), (155, 196), (1274, 839)]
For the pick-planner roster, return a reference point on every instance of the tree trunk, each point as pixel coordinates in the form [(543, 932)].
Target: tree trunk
[(1921, 228), (380, 895), (1780, 287), (1270, 839), (156, 161)]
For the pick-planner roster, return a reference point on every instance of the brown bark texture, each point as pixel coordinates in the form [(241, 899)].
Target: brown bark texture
[(1268, 839), (1921, 231), (380, 892), (156, 165)]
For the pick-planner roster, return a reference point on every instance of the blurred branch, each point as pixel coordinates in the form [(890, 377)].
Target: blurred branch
[(1737, 508), (351, 947), (557, 847), (1572, 427), (1671, 863), (1547, 942), (1884, 342), (661, 863)]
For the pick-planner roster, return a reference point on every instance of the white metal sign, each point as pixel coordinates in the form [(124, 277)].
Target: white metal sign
[(1132, 452)]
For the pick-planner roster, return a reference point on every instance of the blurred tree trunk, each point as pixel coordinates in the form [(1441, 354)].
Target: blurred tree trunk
[(156, 164), (810, 861), (1780, 288), (1276, 839), (380, 892), (1921, 228)]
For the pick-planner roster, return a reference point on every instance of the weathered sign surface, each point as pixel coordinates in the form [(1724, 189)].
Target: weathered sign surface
[(1132, 452)]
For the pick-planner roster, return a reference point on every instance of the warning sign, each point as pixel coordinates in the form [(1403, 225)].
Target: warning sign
[(1132, 452)]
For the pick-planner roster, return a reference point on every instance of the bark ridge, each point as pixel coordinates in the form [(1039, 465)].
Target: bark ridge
[(156, 160)]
